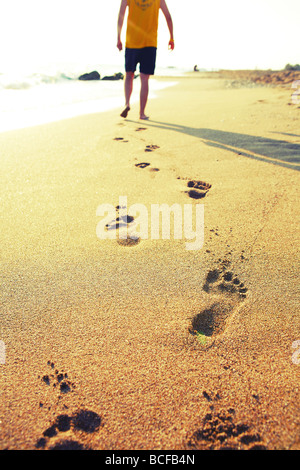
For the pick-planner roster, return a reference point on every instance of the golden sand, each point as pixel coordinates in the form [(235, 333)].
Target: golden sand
[(148, 345)]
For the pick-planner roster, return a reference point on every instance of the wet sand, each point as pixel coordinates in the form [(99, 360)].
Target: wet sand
[(114, 344)]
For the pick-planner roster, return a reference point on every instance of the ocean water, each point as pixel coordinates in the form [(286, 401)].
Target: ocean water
[(30, 98)]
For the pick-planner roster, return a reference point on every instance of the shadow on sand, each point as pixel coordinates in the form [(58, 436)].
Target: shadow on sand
[(278, 152)]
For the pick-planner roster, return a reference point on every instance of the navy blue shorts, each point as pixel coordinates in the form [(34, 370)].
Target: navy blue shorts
[(146, 57)]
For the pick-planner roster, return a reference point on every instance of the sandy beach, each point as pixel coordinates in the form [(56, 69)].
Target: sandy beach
[(143, 344)]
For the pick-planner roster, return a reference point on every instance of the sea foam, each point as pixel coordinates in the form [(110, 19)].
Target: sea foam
[(39, 98)]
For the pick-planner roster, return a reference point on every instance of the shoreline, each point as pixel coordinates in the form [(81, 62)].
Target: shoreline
[(151, 346), (231, 79), (95, 101)]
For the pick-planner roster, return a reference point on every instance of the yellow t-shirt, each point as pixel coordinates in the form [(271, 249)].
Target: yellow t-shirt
[(142, 23)]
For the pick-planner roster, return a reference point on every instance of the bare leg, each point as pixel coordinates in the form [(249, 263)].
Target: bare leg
[(144, 94), (128, 86)]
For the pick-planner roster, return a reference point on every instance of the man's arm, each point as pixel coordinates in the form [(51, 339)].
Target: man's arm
[(168, 17), (120, 23)]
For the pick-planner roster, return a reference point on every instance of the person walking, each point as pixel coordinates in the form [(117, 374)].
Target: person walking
[(141, 44)]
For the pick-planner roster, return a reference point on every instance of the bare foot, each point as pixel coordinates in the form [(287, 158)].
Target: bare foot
[(144, 117), (125, 112)]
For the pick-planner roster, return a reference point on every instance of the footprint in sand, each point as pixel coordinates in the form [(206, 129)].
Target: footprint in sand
[(145, 165), (121, 139), (199, 189), (127, 235), (220, 431), (119, 222), (142, 165), (154, 170), (227, 293), (141, 129), (57, 380), (150, 148), (84, 421)]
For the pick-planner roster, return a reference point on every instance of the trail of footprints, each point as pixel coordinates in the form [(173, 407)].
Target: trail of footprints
[(224, 286), (224, 289), (211, 321), (197, 190), (218, 430), (61, 434)]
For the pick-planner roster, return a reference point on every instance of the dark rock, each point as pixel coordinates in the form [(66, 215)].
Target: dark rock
[(90, 76)]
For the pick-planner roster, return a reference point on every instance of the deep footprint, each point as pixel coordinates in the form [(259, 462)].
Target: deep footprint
[(58, 380), (86, 421), (142, 165), (145, 165), (119, 222), (219, 431), (127, 237), (224, 281), (150, 148), (199, 189), (212, 321), (121, 139)]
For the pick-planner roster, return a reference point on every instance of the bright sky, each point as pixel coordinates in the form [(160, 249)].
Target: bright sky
[(231, 34)]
